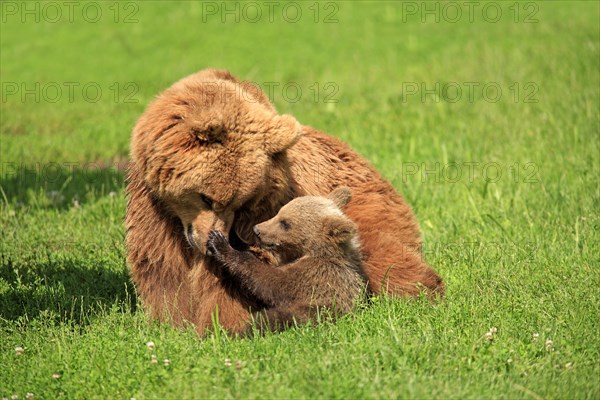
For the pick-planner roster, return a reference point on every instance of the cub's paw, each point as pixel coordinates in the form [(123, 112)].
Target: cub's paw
[(217, 244)]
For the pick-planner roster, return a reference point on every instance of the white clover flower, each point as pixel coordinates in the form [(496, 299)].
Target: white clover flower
[(569, 365), (510, 360), (227, 362), (150, 345), (29, 396), (56, 375), (19, 350), (153, 359), (536, 336), (167, 362), (493, 329), (489, 336), (549, 344)]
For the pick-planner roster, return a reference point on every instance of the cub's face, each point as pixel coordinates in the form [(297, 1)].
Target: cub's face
[(207, 147), (306, 225)]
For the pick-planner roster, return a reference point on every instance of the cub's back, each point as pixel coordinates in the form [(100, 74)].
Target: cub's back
[(328, 282)]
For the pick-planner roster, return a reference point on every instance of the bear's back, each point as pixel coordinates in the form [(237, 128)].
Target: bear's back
[(335, 281)]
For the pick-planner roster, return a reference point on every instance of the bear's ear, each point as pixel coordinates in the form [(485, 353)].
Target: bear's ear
[(338, 228), (340, 196), (215, 73), (283, 132)]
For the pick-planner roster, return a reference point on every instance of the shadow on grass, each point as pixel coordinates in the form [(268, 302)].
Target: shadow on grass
[(66, 289), (60, 185)]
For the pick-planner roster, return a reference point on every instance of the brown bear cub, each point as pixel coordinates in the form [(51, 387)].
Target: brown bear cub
[(315, 261)]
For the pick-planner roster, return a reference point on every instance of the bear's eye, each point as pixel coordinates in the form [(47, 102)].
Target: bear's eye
[(206, 200), (285, 225)]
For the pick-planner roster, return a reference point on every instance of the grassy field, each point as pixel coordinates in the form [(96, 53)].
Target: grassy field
[(487, 121)]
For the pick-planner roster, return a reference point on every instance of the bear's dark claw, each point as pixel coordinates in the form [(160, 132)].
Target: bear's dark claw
[(217, 242)]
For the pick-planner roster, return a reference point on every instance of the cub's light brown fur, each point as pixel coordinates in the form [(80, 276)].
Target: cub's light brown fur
[(210, 138), (320, 263)]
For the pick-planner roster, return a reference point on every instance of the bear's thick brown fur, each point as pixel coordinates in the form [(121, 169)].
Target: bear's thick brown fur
[(319, 261), (211, 153)]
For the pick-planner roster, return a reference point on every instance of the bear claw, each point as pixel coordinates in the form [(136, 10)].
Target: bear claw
[(216, 241)]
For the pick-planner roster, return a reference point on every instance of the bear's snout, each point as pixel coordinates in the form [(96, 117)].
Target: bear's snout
[(256, 230)]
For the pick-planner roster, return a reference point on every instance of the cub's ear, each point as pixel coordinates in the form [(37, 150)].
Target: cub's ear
[(283, 132), (340, 196), (338, 228)]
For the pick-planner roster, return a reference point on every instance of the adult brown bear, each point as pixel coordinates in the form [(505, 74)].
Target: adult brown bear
[(211, 153)]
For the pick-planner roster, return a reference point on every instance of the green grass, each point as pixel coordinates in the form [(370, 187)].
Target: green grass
[(519, 252)]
